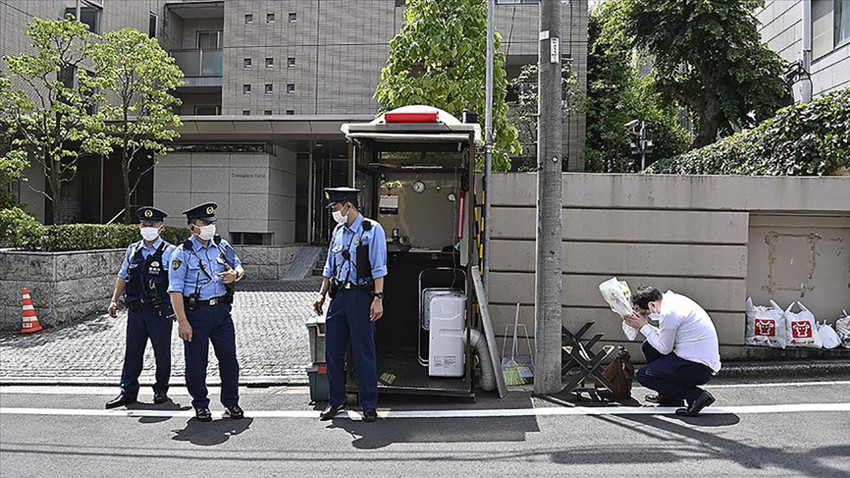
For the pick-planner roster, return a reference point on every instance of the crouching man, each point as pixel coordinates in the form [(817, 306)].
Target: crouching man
[(682, 353)]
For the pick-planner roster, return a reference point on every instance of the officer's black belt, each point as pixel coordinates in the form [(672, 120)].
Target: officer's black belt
[(351, 285), (138, 304), (213, 301)]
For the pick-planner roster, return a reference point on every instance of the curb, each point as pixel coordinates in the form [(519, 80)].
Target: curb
[(264, 381), (784, 369)]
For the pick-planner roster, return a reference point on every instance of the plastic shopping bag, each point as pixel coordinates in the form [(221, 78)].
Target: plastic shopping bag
[(828, 336), (618, 295), (801, 328), (842, 328), (765, 325)]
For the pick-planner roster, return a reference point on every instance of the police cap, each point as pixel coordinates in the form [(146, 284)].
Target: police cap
[(335, 195), (150, 214), (204, 212)]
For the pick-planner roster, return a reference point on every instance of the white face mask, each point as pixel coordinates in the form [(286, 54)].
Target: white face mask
[(149, 233), (339, 217), (654, 315), (206, 232)]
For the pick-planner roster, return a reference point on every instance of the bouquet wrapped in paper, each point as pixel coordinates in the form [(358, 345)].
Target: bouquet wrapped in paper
[(618, 295)]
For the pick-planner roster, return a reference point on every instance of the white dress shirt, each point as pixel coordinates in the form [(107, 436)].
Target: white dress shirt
[(686, 330)]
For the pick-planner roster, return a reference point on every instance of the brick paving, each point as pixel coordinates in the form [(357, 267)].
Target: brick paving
[(271, 343)]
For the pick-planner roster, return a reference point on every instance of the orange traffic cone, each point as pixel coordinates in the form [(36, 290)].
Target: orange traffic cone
[(30, 324)]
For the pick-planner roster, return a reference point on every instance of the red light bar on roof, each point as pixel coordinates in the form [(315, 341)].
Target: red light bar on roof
[(411, 117)]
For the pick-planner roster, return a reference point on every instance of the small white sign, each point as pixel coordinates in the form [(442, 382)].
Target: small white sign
[(544, 35), (554, 50), (388, 204)]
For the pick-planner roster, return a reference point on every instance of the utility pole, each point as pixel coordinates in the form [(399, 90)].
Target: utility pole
[(547, 308), (488, 140)]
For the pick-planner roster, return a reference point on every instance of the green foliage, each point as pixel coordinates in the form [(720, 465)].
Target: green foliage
[(801, 140), (439, 59), (50, 120), (27, 233), (523, 111), (139, 75), (19, 228), (617, 94), (708, 55)]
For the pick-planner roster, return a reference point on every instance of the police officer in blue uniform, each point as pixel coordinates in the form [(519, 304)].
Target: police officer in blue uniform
[(203, 272), (354, 277), (143, 280)]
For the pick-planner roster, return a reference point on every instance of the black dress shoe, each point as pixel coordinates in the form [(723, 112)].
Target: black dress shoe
[(234, 412), (121, 400), (694, 408), (330, 411), (160, 397), (370, 415), (203, 414), (662, 401)]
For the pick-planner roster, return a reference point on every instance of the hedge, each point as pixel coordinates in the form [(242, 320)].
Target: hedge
[(801, 140), (22, 231)]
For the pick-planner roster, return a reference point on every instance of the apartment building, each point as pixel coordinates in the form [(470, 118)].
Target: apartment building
[(828, 32), (268, 84)]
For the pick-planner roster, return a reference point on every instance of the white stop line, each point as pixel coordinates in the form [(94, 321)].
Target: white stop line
[(476, 413)]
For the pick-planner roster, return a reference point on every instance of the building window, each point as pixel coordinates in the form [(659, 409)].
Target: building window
[(269, 17), (246, 89), (246, 63), (246, 112), (267, 112), (249, 18), (269, 62), (251, 238), (209, 40), (293, 17), (290, 89), (842, 22), (269, 88), (290, 112), (207, 110), (152, 21), (88, 15), (290, 62)]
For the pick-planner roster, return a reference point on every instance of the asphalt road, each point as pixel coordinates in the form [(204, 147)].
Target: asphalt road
[(754, 429)]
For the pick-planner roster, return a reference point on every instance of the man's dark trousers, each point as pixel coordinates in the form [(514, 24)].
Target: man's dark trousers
[(673, 377), (348, 319), (144, 322)]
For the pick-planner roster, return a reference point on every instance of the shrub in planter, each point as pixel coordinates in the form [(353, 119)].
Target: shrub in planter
[(24, 232), (19, 228), (802, 140)]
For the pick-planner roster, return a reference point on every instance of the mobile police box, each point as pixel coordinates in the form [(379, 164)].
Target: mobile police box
[(415, 167)]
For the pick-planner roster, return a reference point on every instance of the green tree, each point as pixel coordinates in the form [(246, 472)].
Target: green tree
[(50, 118), (439, 59), (708, 55), (523, 111), (619, 93), (138, 76)]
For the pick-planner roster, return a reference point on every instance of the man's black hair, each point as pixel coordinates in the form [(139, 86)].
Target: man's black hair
[(644, 295)]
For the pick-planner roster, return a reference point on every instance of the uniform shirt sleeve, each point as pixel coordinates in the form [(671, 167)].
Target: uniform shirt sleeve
[(230, 255), (328, 271), (125, 266), (662, 338), (378, 252), (177, 275)]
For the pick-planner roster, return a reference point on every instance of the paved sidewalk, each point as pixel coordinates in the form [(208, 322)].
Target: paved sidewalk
[(271, 343)]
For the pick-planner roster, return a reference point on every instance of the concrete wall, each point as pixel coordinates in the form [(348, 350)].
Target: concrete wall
[(702, 236), (255, 191), (782, 30), (266, 263), (63, 285)]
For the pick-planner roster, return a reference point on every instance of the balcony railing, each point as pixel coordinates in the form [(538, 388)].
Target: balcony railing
[(198, 63)]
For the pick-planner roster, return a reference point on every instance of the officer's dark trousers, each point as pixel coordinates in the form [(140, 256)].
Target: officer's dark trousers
[(211, 323), (348, 318), (143, 324), (673, 377)]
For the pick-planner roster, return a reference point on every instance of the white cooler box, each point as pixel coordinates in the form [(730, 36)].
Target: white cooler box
[(446, 316)]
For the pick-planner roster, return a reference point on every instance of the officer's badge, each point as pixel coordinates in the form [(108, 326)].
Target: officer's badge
[(175, 264), (148, 213), (154, 264), (357, 242), (327, 196), (210, 210)]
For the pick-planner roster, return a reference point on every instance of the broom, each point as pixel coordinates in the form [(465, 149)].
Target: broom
[(510, 367)]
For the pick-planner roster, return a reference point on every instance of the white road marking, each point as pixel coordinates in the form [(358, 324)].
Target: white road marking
[(778, 384), (472, 413)]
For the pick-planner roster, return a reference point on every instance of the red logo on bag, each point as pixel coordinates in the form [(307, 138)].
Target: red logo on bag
[(766, 327), (801, 330)]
